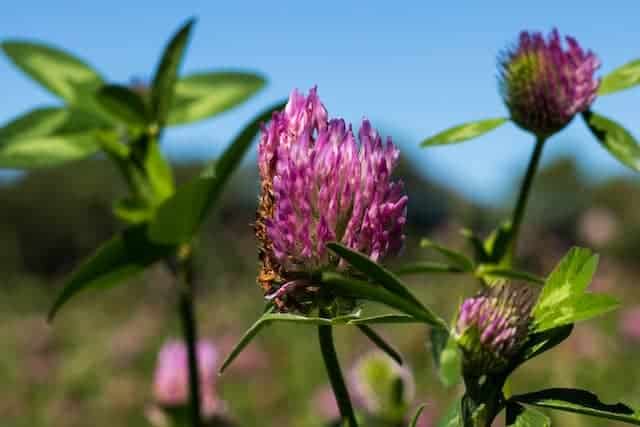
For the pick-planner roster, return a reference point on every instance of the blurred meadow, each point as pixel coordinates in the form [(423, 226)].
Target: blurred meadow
[(94, 366), (413, 71)]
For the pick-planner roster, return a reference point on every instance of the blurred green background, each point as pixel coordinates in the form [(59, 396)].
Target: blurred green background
[(94, 365)]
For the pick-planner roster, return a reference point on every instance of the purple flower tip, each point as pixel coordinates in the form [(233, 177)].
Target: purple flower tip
[(321, 183), (545, 84), (492, 327)]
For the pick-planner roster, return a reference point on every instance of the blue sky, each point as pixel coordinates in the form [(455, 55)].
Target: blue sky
[(413, 68)]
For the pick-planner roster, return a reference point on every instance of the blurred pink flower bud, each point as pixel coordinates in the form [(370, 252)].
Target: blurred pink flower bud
[(171, 382), (629, 325)]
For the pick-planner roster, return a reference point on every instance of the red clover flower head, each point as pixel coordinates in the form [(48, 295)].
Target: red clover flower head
[(544, 85), (493, 326), (319, 183)]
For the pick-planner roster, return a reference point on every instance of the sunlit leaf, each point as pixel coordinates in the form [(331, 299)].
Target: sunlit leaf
[(35, 123), (125, 255), (132, 210), (204, 95), (564, 299), (178, 219), (622, 78), (58, 71), (464, 132), (497, 244), (46, 151), (123, 104), (580, 402), (615, 139), (166, 76), (575, 309), (519, 416), (446, 356), (453, 416)]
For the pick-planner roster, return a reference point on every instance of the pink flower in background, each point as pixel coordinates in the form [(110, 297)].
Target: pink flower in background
[(171, 381), (598, 226), (629, 325)]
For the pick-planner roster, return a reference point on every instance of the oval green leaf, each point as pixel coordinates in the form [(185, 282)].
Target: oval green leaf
[(61, 73), (46, 151), (203, 95), (615, 139), (464, 132), (35, 123), (622, 78), (164, 81)]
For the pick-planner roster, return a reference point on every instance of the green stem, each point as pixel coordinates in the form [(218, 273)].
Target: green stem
[(190, 333), (525, 190), (325, 335)]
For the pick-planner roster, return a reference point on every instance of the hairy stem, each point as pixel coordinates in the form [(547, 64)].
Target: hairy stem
[(325, 335), (525, 190)]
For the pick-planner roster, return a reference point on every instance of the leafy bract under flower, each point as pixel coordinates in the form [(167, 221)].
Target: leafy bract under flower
[(545, 85), (321, 184), (493, 326)]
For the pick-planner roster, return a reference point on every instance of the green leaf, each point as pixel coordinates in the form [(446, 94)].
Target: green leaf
[(35, 123), (446, 357), (381, 343), (576, 309), (203, 95), (164, 81), (519, 416), (46, 151), (375, 272), (270, 317), (123, 104), (615, 139), (564, 299), (453, 417), (497, 244), (493, 272), (480, 253), (178, 219), (622, 78), (570, 277), (421, 267), (464, 132), (353, 288), (541, 342), (385, 319), (66, 76), (416, 417), (159, 172), (125, 255), (457, 258), (132, 210), (580, 402)]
